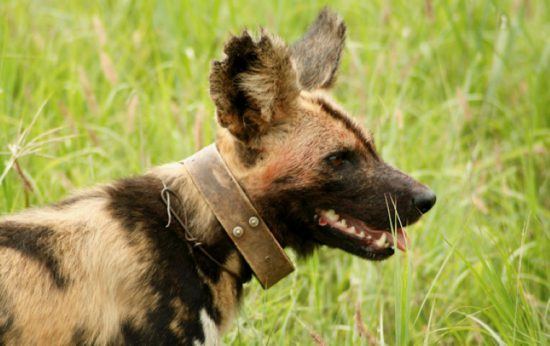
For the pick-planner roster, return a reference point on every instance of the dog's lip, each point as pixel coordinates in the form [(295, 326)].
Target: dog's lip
[(377, 240)]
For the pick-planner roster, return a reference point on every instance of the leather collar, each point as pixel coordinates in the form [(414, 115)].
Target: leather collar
[(238, 217)]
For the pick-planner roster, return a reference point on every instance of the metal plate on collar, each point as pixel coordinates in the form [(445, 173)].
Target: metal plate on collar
[(237, 215)]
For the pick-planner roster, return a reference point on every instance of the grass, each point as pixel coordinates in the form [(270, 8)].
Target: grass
[(455, 92)]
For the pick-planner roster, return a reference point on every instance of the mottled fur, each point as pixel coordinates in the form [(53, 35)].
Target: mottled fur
[(104, 267), (125, 276)]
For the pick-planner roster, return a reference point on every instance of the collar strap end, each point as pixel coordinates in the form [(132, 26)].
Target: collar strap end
[(238, 217)]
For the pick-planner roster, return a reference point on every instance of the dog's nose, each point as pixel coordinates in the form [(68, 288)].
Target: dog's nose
[(424, 200)]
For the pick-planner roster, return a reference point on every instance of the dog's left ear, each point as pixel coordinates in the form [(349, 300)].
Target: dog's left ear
[(255, 83), (317, 53)]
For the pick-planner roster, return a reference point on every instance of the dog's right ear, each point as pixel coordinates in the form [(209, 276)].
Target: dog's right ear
[(317, 53), (253, 85)]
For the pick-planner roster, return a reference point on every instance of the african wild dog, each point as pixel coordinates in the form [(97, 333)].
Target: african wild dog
[(101, 268)]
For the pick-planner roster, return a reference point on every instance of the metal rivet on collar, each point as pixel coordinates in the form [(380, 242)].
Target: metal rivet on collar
[(214, 180), (253, 221), (238, 231)]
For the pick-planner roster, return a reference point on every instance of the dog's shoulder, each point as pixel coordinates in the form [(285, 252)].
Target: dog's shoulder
[(104, 266)]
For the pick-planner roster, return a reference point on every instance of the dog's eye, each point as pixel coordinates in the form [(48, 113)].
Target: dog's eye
[(339, 159)]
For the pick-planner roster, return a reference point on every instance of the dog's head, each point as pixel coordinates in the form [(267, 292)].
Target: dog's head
[(312, 172)]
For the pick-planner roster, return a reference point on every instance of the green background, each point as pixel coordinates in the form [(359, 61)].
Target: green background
[(457, 93)]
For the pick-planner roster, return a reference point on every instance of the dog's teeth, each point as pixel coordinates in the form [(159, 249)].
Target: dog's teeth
[(344, 223), (332, 216), (380, 242)]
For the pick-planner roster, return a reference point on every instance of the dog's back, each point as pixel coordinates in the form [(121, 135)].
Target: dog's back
[(91, 270), (68, 264)]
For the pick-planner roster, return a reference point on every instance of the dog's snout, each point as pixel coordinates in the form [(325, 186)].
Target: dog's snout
[(424, 200)]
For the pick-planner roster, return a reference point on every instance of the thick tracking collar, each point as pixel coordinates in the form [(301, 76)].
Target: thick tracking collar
[(238, 217)]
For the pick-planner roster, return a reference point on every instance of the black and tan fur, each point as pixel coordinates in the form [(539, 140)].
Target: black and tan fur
[(103, 268)]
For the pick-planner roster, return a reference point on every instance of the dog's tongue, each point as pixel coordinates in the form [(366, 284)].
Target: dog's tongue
[(402, 239)]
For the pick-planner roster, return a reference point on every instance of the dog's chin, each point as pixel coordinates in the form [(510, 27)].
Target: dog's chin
[(355, 237)]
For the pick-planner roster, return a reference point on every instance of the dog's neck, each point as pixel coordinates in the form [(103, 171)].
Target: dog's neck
[(273, 205), (239, 218), (204, 227)]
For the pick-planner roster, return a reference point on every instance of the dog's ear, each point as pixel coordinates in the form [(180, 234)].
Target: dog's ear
[(255, 83), (317, 53)]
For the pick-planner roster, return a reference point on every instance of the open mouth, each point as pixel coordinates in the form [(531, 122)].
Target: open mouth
[(358, 231)]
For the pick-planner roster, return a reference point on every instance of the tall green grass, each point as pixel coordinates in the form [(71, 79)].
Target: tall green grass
[(456, 92)]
